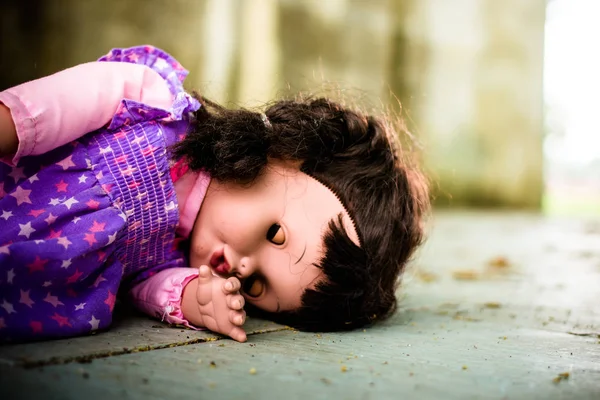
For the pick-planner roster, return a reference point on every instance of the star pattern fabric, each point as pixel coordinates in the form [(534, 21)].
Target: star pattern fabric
[(93, 217)]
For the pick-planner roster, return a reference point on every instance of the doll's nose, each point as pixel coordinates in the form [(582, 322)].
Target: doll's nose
[(245, 268)]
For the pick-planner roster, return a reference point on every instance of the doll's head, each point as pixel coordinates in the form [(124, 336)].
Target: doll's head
[(356, 183)]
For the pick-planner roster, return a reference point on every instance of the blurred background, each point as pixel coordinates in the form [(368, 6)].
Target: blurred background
[(500, 94)]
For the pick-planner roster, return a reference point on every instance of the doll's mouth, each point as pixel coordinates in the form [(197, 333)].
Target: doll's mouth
[(218, 262)]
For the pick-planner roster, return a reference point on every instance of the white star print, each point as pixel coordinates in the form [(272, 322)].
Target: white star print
[(105, 150), (53, 300), (50, 219), (4, 249), (128, 171), (63, 240), (76, 220), (94, 323), (141, 195), (135, 225), (8, 307), (54, 202), (160, 63), (25, 299), (82, 179), (112, 238), (16, 174), (47, 283), (98, 280), (6, 215), (26, 229), (22, 195), (10, 274), (66, 263), (33, 178), (38, 241), (79, 306), (66, 163), (69, 203), (170, 206)]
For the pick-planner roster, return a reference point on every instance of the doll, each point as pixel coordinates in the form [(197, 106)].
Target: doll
[(115, 181)]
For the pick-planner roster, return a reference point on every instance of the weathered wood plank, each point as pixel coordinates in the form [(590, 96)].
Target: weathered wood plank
[(131, 333), (498, 306), (428, 362)]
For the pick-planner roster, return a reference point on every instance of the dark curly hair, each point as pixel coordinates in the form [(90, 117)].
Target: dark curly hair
[(358, 158)]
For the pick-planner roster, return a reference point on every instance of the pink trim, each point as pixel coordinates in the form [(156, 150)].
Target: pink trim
[(24, 124), (160, 295), (176, 316), (189, 210)]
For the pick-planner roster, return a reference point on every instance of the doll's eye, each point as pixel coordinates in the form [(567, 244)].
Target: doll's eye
[(275, 234), (253, 286)]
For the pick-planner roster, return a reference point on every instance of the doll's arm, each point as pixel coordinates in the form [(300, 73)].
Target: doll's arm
[(52, 111), (160, 295), (187, 296), (215, 303)]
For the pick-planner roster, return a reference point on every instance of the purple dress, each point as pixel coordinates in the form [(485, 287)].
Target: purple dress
[(97, 215)]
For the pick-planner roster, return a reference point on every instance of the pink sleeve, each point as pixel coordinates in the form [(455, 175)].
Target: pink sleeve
[(160, 295), (59, 108)]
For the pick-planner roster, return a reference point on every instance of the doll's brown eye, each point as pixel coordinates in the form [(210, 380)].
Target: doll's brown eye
[(253, 286), (275, 234)]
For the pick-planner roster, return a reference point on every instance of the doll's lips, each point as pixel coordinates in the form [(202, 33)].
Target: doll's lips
[(219, 263)]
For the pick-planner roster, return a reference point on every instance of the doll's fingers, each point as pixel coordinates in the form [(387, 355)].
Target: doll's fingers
[(237, 317), (231, 285), (238, 334), (205, 289), (235, 301), (204, 274)]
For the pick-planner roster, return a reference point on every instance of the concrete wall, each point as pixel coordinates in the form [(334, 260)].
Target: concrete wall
[(475, 75), (467, 73)]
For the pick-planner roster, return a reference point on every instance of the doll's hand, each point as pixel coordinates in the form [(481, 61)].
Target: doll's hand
[(219, 305)]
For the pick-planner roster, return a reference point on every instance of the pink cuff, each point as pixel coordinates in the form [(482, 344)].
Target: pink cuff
[(160, 295), (24, 124)]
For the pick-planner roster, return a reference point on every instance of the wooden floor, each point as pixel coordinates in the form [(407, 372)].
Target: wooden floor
[(498, 306)]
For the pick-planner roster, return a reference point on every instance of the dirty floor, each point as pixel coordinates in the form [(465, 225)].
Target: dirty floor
[(497, 306)]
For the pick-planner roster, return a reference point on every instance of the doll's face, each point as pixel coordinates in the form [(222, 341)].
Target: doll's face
[(268, 234)]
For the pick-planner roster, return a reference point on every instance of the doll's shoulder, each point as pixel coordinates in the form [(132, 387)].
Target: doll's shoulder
[(154, 58), (131, 112)]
